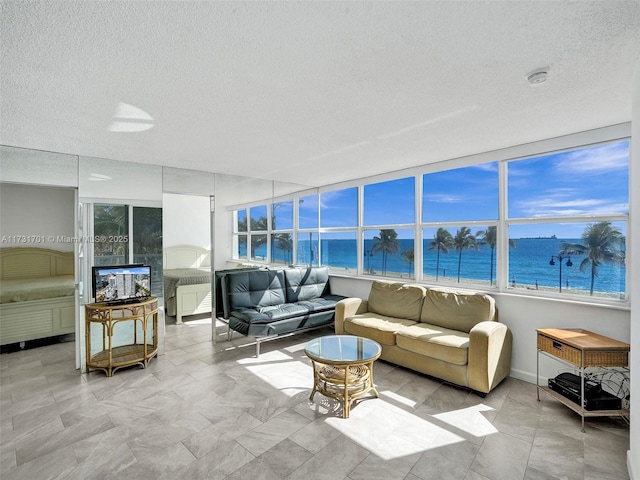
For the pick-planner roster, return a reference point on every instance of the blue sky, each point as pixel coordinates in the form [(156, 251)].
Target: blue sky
[(587, 181)]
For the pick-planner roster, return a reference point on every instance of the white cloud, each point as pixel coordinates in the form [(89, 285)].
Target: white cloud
[(603, 158)]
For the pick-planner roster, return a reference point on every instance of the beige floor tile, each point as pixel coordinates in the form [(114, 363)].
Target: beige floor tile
[(206, 410)]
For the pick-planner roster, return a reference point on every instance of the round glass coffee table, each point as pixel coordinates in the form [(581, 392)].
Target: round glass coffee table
[(343, 367)]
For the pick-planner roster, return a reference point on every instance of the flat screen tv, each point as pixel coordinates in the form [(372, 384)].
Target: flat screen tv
[(116, 284)]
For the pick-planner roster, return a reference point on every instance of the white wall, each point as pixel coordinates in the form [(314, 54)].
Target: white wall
[(39, 216), (524, 315), (633, 457)]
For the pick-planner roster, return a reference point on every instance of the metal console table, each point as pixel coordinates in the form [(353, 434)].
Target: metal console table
[(581, 348)]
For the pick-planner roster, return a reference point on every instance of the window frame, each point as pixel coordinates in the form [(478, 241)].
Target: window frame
[(503, 158)]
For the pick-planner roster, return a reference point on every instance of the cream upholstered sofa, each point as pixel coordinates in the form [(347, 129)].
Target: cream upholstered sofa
[(450, 334)]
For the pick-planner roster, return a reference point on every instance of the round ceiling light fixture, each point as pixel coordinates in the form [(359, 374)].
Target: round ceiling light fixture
[(538, 76)]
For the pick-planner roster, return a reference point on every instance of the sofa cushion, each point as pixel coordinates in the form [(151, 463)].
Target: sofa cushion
[(396, 300), (306, 283), (328, 302), (456, 309), (451, 346), (377, 327), (255, 289)]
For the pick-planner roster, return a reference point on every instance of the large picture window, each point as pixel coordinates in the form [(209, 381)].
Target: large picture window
[(389, 252), (462, 194), (457, 245), (339, 208), (553, 224), (339, 251), (390, 203), (460, 254), (569, 224)]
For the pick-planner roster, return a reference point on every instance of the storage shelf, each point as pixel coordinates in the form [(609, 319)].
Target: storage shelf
[(581, 349), (576, 408), (139, 352)]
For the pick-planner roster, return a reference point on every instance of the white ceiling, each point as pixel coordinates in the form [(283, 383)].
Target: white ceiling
[(309, 92)]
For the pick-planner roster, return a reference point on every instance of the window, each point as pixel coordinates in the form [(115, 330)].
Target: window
[(550, 224), (282, 236), (282, 216), (308, 208), (115, 246), (240, 234), (282, 248), (389, 252), (569, 230), (111, 231), (390, 203), (462, 194), (339, 251), (458, 254), (147, 243), (460, 230), (308, 251), (339, 208), (258, 233)]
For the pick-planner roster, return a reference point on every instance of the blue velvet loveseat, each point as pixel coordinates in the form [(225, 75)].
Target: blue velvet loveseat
[(269, 303)]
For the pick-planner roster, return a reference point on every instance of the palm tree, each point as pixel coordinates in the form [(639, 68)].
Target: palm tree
[(285, 243), (409, 257), (442, 240), (601, 242), (461, 241), (258, 240), (490, 237), (110, 221), (387, 243)]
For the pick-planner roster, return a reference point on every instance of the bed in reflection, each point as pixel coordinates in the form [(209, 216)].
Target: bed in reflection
[(187, 281), (37, 294)]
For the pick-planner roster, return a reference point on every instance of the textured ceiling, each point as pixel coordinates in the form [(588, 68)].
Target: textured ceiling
[(309, 92)]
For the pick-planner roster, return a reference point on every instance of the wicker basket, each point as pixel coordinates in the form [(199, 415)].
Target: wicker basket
[(592, 358)]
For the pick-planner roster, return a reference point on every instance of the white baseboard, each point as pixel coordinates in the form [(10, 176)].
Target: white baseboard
[(630, 465), (526, 376)]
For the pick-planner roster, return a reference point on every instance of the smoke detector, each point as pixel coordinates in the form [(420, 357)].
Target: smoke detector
[(538, 76)]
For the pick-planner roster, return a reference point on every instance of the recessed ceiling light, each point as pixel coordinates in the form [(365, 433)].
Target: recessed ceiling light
[(538, 76)]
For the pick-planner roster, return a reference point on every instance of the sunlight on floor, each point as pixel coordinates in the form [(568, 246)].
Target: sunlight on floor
[(391, 426)]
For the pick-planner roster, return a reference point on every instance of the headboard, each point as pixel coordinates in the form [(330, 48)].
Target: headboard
[(186, 256), (30, 262)]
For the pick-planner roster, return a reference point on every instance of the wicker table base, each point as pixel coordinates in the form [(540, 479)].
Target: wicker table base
[(343, 367), (346, 383)]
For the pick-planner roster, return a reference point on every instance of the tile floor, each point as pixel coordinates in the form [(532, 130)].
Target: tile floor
[(213, 411)]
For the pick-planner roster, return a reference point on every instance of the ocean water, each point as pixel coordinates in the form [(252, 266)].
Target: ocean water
[(528, 263)]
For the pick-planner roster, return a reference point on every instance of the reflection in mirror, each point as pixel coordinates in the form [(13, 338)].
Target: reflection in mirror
[(187, 256)]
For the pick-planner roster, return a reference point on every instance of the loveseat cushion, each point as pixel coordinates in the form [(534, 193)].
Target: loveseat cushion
[(396, 300), (377, 327), (306, 283), (255, 289), (455, 309), (451, 346)]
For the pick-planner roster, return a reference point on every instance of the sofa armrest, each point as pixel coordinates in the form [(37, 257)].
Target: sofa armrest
[(490, 346), (347, 308)]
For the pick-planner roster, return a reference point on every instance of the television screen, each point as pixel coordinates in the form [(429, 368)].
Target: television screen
[(121, 283)]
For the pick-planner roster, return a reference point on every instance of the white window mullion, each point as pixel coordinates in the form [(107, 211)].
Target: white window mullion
[(502, 240), (359, 233), (419, 241)]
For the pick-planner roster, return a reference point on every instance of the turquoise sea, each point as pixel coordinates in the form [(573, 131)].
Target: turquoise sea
[(528, 263)]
